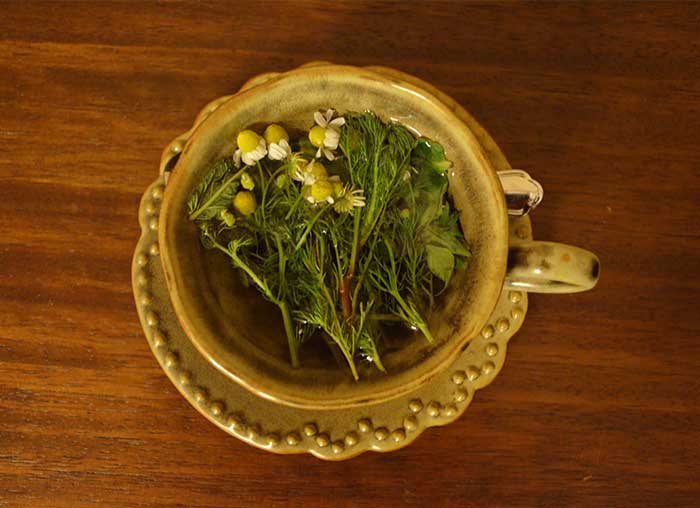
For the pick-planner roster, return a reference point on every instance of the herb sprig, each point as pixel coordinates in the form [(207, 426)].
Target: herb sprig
[(342, 248)]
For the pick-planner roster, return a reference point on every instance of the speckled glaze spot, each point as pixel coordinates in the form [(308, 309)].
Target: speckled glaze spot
[(523, 232), (323, 440), (410, 423), (473, 373), (142, 260), (515, 296), (351, 439), (364, 425), (216, 408), (491, 349), (502, 325), (459, 377), (416, 406), (488, 368), (157, 193), (461, 395), (398, 435), (170, 360), (434, 408), (338, 447), (381, 433), (154, 249), (152, 319), (310, 429), (487, 332), (293, 439), (516, 313)]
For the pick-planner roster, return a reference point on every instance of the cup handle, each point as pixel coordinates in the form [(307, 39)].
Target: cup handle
[(548, 267)]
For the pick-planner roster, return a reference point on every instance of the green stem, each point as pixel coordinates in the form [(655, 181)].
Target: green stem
[(414, 318), (289, 330), (346, 301), (243, 266), (309, 226), (214, 196), (294, 206), (355, 242), (385, 317), (375, 191), (281, 304), (351, 363), (282, 262)]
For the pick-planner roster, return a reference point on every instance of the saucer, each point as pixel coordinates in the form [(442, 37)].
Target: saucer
[(332, 434)]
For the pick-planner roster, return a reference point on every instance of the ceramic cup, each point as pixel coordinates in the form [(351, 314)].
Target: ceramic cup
[(243, 336)]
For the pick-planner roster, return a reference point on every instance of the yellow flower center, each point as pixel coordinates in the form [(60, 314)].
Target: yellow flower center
[(247, 140), (274, 133), (321, 190), (318, 170), (244, 202), (316, 135)]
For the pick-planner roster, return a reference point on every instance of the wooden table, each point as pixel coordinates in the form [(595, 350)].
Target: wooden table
[(599, 402)]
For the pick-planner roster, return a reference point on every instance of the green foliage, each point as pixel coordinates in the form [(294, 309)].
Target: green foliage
[(215, 192), (343, 275)]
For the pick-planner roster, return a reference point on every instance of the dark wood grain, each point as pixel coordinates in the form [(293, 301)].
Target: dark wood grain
[(599, 403)]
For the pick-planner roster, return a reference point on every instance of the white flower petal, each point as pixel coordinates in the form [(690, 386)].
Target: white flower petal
[(237, 158), (329, 115), (247, 159), (338, 122), (329, 154), (277, 152), (331, 138), (309, 179), (319, 119), (319, 152), (298, 175)]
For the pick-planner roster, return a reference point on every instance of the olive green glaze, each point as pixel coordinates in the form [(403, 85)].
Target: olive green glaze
[(241, 334)]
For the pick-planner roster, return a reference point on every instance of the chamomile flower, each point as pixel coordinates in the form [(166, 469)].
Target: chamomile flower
[(349, 199), (320, 191), (325, 135), (277, 142), (310, 173), (295, 163), (251, 148), (323, 190)]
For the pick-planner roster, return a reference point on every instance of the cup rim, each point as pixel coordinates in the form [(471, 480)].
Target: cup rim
[(236, 368)]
